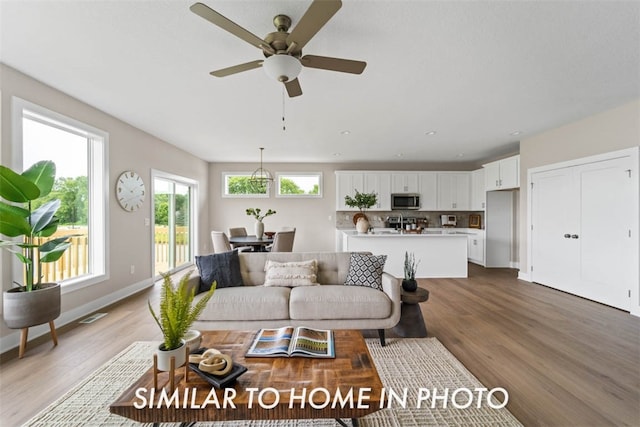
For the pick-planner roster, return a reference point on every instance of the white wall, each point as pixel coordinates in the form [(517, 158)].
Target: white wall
[(129, 237)]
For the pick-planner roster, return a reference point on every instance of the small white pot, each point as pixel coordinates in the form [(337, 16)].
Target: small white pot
[(164, 357), (259, 229)]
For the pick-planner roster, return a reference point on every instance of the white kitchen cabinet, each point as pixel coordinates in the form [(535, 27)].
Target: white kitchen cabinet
[(428, 189), (346, 185), (379, 183), (405, 182), (502, 174), (454, 190), (478, 192), (475, 250)]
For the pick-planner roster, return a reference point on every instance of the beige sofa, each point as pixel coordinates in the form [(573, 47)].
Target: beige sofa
[(332, 305)]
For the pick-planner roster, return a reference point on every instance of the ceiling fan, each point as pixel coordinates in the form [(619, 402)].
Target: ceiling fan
[(283, 49)]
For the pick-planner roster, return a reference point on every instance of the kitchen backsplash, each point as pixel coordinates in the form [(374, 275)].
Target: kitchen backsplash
[(344, 219)]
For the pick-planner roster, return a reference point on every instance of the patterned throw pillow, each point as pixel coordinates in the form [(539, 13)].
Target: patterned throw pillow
[(365, 270), (296, 273), (224, 268)]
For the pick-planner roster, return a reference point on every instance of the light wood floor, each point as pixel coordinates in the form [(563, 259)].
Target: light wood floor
[(565, 361)]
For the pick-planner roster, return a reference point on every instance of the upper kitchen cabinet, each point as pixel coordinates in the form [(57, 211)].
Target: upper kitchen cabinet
[(347, 182), (404, 182), (346, 185), (454, 191), (428, 186), (478, 192), (502, 174), (379, 183)]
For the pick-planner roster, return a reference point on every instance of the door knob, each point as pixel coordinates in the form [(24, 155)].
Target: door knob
[(567, 236), (574, 236)]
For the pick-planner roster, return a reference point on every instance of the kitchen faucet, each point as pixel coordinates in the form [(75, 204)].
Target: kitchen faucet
[(401, 220)]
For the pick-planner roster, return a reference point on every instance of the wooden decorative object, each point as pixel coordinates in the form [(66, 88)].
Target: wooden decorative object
[(474, 221), (172, 370)]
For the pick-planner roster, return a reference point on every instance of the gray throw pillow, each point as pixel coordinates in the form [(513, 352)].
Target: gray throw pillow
[(224, 268), (365, 270)]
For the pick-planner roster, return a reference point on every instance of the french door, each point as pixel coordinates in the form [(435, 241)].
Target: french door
[(173, 224), (582, 217)]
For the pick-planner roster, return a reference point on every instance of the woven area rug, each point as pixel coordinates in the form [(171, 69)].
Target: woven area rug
[(413, 364)]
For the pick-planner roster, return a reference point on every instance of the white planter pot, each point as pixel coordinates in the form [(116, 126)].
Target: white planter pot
[(164, 357), (193, 339), (259, 229), (362, 225)]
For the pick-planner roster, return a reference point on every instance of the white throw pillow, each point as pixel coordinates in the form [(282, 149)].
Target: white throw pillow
[(292, 274)]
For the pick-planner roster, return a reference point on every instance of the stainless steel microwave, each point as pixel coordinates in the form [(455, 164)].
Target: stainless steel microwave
[(405, 201)]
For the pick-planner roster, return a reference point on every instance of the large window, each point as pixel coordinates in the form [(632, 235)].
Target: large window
[(79, 153), (238, 184), (299, 184), (173, 236)]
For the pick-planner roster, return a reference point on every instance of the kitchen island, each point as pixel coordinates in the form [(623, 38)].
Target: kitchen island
[(441, 253)]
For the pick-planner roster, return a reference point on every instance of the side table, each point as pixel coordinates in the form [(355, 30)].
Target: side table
[(411, 323)]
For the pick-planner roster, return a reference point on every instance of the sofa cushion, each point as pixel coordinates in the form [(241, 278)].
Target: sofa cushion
[(224, 268), (294, 273), (366, 270), (248, 303), (338, 302)]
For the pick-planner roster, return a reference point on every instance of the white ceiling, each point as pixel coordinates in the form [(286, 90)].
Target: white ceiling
[(474, 72)]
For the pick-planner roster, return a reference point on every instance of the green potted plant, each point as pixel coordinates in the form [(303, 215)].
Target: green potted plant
[(409, 282), (175, 316), (27, 226), (362, 201), (259, 225)]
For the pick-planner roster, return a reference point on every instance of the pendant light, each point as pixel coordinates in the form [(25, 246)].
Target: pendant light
[(261, 178)]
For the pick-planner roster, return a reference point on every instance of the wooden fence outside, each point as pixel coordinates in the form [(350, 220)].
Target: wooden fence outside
[(75, 261)]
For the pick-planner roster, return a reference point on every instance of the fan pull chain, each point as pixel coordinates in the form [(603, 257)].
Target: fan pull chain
[(284, 124)]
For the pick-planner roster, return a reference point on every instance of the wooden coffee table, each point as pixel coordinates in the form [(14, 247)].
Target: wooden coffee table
[(352, 370)]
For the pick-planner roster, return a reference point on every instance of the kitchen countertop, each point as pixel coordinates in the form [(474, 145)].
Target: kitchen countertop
[(425, 233)]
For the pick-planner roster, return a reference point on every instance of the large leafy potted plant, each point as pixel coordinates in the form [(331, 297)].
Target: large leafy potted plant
[(27, 227), (362, 201), (175, 316)]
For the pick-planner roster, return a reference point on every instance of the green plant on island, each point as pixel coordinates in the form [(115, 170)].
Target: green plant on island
[(176, 313), (19, 218), (362, 201), (255, 212)]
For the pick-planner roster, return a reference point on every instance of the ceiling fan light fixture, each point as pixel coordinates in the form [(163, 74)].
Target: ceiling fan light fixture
[(282, 67)]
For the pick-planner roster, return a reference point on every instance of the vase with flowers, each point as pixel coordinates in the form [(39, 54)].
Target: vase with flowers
[(259, 216)]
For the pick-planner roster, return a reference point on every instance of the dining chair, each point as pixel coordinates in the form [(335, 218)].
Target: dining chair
[(220, 242), (283, 241), (239, 232)]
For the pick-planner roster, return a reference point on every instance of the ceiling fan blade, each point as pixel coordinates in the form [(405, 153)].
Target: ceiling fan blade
[(293, 88), (333, 64), (313, 19), (237, 68), (215, 18)]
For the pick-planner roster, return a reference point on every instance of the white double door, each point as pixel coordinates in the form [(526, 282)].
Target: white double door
[(582, 219)]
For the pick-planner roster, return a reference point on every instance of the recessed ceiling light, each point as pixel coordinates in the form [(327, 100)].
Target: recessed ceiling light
[(345, 132), (430, 133), (337, 154), (460, 155), (516, 133), (399, 155)]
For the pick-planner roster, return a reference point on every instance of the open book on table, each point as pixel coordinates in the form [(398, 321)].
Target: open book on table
[(292, 342)]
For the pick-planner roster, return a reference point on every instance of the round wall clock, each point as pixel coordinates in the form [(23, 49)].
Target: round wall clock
[(130, 191)]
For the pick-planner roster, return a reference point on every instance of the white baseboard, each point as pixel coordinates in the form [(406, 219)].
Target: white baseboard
[(12, 340), (523, 275)]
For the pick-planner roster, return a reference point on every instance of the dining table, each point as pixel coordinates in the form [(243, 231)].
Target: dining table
[(258, 244)]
